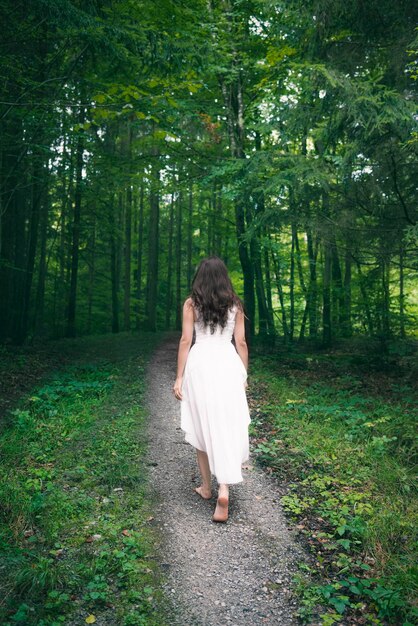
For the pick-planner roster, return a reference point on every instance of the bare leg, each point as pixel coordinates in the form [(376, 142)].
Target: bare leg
[(221, 511), (205, 490)]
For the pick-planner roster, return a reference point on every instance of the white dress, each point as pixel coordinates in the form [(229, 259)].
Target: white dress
[(214, 408)]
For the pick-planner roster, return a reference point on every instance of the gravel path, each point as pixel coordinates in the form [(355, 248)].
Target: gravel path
[(236, 573)]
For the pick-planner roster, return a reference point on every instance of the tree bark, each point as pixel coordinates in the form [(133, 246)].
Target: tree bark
[(169, 301), (179, 219), (153, 252), (139, 256), (72, 301), (128, 234)]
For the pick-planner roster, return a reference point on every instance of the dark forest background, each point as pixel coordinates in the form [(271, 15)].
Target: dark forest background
[(138, 137)]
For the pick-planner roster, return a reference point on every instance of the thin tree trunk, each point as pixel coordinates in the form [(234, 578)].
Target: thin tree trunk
[(292, 282), (365, 300), (337, 293), (189, 239), (179, 218), (38, 320), (327, 331), (313, 285), (268, 283), (385, 278), (277, 268), (152, 273), (114, 266), (128, 237), (169, 301), (139, 257), (326, 297), (346, 318), (92, 271), (72, 301), (401, 290)]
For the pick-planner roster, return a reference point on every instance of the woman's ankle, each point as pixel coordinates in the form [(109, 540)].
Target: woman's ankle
[(223, 491)]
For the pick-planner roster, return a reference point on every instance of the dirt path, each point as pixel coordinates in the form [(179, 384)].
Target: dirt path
[(236, 573)]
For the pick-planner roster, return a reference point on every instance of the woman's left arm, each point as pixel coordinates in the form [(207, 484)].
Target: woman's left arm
[(184, 346)]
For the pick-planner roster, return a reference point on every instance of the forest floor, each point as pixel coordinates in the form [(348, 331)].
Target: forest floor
[(76, 536), (99, 522)]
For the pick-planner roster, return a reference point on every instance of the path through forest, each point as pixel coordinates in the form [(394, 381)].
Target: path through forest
[(237, 573)]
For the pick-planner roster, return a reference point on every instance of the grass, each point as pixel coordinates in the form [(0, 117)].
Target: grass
[(343, 441), (76, 535)]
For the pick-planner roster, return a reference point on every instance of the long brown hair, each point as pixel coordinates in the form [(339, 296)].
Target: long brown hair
[(212, 293)]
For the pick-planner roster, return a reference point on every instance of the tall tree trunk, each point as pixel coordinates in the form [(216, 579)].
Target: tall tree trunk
[(152, 274), (326, 297), (292, 281), (337, 292), (38, 320), (218, 230), (179, 217), (327, 330), (190, 238), (139, 256), (20, 265), (279, 283), (169, 301), (72, 301), (366, 302), (401, 289), (347, 329), (114, 265), (312, 297), (268, 284), (65, 232), (92, 272), (128, 234), (232, 91), (385, 278), (210, 224)]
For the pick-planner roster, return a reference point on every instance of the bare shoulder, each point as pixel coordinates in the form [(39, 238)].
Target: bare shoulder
[(188, 308)]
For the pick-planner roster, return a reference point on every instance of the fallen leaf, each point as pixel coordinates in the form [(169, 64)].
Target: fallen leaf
[(93, 538), (126, 533), (90, 619)]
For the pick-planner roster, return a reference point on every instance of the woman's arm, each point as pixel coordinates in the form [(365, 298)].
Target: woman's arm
[(239, 336), (184, 345)]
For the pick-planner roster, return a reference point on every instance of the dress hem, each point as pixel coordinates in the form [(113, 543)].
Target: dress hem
[(189, 439)]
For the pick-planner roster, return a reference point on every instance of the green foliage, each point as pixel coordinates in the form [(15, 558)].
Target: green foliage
[(73, 529), (347, 456)]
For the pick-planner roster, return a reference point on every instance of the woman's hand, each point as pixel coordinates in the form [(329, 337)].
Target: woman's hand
[(177, 388)]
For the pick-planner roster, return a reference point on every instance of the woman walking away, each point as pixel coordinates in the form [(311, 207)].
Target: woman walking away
[(212, 379)]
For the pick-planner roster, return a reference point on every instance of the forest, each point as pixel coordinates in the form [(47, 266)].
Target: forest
[(137, 138)]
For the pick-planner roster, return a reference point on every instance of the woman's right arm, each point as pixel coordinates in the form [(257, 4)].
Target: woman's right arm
[(184, 346)]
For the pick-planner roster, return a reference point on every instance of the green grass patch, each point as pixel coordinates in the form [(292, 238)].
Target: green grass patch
[(76, 540), (348, 458)]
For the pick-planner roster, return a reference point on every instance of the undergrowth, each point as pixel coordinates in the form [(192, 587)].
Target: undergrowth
[(75, 533), (347, 456)]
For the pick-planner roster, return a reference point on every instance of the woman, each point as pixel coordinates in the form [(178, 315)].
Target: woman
[(211, 381)]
